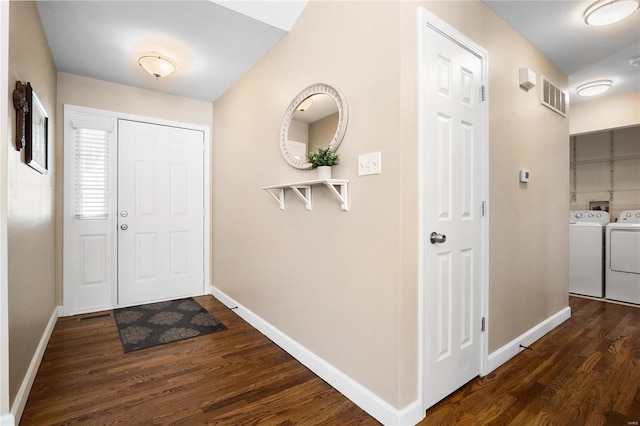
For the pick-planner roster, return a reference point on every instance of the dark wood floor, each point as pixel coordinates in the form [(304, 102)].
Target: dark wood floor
[(587, 371), (584, 372), (232, 377)]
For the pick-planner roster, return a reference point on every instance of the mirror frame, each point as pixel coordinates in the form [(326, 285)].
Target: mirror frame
[(343, 114)]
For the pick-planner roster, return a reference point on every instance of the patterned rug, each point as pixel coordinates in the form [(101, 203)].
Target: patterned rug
[(155, 324)]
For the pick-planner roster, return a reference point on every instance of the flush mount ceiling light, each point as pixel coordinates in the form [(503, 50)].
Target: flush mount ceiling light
[(593, 88), (306, 104), (605, 12), (156, 64)]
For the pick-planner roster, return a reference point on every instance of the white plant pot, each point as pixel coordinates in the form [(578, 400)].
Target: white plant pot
[(324, 172)]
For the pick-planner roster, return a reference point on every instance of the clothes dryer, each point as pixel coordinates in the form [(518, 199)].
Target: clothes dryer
[(586, 252), (622, 268)]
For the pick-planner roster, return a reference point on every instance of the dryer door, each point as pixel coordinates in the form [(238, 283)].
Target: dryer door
[(625, 248)]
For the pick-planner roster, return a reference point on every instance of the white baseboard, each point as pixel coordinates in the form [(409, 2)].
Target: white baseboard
[(7, 420), (511, 349), (23, 393), (360, 395)]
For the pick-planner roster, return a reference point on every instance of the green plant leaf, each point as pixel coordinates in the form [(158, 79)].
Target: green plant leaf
[(324, 157)]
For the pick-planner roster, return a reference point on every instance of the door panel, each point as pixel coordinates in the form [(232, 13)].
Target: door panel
[(452, 122), (88, 244), (160, 204)]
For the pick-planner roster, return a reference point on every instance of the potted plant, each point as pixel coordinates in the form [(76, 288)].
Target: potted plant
[(323, 160)]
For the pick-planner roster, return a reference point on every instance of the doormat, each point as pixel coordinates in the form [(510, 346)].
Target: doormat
[(155, 324)]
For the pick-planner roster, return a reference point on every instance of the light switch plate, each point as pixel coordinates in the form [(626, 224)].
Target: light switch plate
[(369, 164)]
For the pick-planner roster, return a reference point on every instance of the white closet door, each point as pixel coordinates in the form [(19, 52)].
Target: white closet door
[(453, 214)]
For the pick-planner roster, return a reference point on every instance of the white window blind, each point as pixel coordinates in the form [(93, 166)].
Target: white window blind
[(92, 173)]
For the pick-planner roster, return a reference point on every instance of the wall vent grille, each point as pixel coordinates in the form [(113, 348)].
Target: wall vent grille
[(554, 98)]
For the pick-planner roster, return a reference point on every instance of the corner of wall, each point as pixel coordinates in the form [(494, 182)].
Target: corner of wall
[(22, 396), (511, 349), (358, 394)]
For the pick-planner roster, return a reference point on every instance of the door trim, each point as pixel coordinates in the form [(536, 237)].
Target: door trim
[(74, 109), (428, 20)]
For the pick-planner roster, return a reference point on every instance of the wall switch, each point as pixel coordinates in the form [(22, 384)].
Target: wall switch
[(369, 164)]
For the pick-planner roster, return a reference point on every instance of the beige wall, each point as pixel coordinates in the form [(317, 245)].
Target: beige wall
[(355, 304), (91, 93), (327, 278), (30, 221), (609, 112)]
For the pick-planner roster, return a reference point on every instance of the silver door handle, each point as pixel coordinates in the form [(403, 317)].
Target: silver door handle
[(436, 238), (124, 213), (124, 226)]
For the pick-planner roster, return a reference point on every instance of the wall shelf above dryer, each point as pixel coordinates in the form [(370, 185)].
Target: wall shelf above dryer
[(337, 187)]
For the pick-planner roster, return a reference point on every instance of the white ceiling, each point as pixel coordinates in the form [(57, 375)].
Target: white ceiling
[(214, 43), (583, 52)]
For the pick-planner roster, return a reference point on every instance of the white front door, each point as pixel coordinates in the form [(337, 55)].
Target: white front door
[(452, 138), (160, 212)]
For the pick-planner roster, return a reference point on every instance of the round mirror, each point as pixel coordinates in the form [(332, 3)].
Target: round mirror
[(316, 118)]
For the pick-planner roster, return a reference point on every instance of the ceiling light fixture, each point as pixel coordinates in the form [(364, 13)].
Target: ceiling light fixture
[(593, 88), (156, 64), (306, 104), (605, 12)]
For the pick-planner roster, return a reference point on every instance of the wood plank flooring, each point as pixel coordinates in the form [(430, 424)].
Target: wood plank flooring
[(587, 371), (232, 377)]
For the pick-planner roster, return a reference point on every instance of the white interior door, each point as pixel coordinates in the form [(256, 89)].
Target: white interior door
[(453, 214), (160, 212)]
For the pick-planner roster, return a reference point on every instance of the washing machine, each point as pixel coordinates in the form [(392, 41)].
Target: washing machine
[(622, 269), (586, 251)]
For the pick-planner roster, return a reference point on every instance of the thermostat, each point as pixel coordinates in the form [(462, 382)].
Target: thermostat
[(525, 175)]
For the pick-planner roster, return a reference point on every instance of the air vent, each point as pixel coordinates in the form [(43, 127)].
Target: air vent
[(554, 98)]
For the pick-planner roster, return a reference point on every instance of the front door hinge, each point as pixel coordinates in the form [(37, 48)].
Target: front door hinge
[(484, 208), (482, 327), (483, 93)]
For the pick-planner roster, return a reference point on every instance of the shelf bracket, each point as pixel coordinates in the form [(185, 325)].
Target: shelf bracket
[(306, 197), (342, 195), (278, 195)]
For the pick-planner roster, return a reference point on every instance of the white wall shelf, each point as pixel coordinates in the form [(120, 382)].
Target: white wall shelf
[(338, 187)]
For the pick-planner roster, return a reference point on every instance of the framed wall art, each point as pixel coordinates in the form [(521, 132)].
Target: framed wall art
[(37, 126)]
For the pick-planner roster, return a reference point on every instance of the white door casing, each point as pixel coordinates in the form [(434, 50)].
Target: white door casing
[(160, 212), (90, 246), (453, 120)]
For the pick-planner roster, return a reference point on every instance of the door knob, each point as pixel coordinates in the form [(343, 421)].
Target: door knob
[(124, 213), (124, 226), (436, 238)]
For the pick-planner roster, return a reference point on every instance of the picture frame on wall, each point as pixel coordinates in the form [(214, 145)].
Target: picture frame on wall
[(37, 127)]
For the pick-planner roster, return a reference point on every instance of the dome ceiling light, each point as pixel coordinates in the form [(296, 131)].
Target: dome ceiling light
[(157, 65), (605, 12), (306, 104), (593, 88)]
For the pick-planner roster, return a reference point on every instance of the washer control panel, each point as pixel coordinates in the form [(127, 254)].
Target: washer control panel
[(594, 216)]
